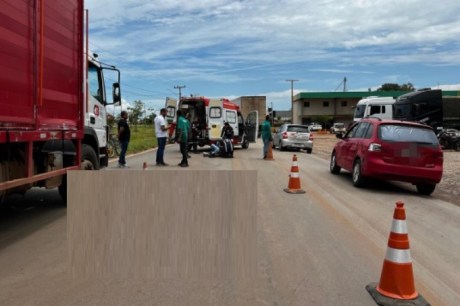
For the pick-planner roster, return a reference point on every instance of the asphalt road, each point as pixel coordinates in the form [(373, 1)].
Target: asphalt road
[(318, 248)]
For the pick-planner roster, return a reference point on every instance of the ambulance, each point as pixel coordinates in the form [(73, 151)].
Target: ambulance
[(209, 115)]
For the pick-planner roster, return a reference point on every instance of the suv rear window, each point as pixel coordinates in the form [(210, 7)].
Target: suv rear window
[(404, 133), (297, 128)]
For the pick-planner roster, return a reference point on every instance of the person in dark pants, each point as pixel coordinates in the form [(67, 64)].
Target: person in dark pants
[(124, 135), (194, 141), (161, 132), (266, 131), (182, 137), (227, 131)]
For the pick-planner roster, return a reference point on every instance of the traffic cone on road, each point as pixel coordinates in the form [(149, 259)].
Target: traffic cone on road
[(294, 178), (396, 284), (270, 152), (144, 166)]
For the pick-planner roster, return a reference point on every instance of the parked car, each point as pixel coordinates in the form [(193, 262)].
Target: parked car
[(390, 150), (315, 127), (337, 128), (293, 136)]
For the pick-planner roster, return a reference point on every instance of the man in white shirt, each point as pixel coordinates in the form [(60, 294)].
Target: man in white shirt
[(161, 131)]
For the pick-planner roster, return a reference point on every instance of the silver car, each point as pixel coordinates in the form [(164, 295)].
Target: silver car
[(338, 128), (293, 136)]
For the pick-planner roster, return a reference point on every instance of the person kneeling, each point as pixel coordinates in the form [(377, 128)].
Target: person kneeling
[(216, 149)]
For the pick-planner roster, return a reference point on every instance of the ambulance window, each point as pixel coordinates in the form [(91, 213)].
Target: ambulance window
[(230, 116), (215, 112)]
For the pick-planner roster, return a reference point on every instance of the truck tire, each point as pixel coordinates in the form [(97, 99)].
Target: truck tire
[(63, 189), (457, 146), (89, 160)]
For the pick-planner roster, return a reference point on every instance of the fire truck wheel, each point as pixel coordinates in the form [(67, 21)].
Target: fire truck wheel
[(89, 159)]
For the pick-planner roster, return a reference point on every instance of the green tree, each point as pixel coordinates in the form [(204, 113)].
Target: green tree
[(396, 87), (136, 111), (150, 118), (110, 120)]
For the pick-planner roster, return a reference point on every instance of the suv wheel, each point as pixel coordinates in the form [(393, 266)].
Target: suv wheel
[(425, 189), (333, 165), (357, 177), (309, 151)]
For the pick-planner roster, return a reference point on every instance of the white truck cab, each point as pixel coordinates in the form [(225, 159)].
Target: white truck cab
[(380, 107)]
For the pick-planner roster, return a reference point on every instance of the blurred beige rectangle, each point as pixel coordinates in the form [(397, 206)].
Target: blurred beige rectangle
[(164, 225)]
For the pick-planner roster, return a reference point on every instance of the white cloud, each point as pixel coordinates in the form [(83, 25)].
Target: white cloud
[(245, 47)]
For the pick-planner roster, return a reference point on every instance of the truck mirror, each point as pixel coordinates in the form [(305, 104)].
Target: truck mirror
[(116, 93)]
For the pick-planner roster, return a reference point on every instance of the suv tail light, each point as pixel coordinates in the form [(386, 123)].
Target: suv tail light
[(375, 147), (285, 135)]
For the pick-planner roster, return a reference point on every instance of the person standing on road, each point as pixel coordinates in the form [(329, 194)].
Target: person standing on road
[(124, 135), (161, 132), (266, 131), (194, 139), (188, 116), (182, 137)]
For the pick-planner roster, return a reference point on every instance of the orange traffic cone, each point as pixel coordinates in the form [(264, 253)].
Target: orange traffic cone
[(397, 279), (270, 152), (294, 178), (144, 166)]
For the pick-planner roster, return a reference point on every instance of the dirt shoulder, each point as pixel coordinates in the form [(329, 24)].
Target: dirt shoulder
[(449, 187)]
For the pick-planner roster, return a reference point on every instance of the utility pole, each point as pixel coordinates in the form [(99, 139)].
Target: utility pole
[(344, 84), (180, 90), (292, 98), (273, 112)]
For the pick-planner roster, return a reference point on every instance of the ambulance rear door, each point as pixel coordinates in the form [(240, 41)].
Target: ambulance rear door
[(215, 119), (252, 126), (231, 116), (171, 107)]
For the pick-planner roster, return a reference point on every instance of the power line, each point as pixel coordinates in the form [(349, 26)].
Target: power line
[(344, 82), (180, 89)]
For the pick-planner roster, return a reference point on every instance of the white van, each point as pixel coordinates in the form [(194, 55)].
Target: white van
[(380, 107)]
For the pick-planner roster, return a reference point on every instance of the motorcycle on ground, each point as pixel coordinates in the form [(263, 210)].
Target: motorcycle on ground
[(449, 139)]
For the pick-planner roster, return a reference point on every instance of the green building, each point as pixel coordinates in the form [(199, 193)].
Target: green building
[(329, 107)]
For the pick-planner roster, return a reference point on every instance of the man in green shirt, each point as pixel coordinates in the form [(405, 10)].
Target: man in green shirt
[(182, 137), (266, 131)]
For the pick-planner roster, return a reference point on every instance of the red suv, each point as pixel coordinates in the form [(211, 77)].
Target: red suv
[(390, 150)]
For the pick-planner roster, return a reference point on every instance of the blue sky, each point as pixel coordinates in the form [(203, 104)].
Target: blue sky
[(219, 48)]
